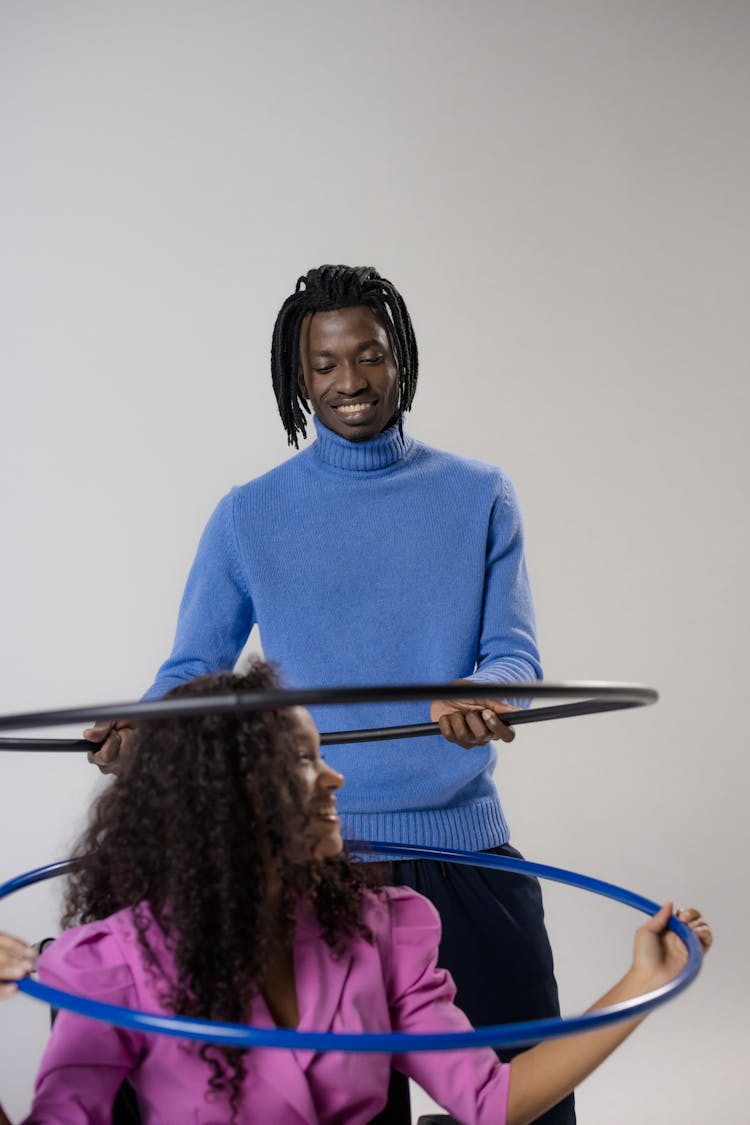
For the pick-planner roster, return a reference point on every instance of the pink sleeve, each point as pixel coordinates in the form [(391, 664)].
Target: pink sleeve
[(473, 1084), (85, 1060)]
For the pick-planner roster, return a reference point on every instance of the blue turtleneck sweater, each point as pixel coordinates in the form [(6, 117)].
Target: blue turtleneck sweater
[(377, 562)]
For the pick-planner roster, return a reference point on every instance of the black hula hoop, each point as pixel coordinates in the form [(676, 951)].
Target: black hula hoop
[(593, 697)]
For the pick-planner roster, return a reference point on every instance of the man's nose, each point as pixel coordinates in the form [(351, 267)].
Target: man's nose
[(350, 379)]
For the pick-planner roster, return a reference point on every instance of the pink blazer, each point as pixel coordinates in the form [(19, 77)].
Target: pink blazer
[(393, 984)]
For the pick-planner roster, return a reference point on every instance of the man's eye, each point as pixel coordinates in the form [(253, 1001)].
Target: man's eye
[(323, 370), (372, 359)]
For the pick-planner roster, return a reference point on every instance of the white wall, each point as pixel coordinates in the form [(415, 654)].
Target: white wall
[(560, 191)]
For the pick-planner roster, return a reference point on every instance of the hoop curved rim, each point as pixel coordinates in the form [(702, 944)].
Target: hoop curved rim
[(498, 1035), (592, 697)]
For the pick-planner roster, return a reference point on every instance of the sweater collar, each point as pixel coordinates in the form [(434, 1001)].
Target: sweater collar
[(361, 456)]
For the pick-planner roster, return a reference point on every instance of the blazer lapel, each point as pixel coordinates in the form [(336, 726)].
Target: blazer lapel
[(319, 976), (278, 1068)]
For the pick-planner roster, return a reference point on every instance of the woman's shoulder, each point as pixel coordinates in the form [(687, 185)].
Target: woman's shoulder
[(89, 958), (100, 957), (406, 930), (405, 915)]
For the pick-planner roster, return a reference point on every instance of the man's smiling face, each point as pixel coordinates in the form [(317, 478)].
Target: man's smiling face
[(348, 372)]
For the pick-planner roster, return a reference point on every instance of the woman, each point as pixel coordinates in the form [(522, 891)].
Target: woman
[(213, 882)]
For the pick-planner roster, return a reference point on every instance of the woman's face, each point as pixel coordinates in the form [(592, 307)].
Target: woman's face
[(322, 830)]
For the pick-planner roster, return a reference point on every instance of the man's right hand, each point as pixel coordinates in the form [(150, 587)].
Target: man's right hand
[(117, 741)]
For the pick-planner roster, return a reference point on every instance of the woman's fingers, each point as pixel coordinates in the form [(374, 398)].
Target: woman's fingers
[(17, 960), (658, 922), (698, 924), (690, 916)]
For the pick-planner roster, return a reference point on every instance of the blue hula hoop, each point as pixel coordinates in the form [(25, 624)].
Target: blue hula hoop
[(500, 1035)]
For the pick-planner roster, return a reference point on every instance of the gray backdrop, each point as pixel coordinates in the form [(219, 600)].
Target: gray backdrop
[(560, 191)]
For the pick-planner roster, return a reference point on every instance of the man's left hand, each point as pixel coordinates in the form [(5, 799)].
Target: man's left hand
[(472, 722)]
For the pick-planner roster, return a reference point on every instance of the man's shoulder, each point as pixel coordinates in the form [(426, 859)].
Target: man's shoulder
[(459, 465), (279, 475)]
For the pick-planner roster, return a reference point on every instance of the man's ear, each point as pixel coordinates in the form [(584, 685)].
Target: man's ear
[(301, 384)]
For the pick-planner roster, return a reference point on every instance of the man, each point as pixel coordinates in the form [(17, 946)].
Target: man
[(372, 558)]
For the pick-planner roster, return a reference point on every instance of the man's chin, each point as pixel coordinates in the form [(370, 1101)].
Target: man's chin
[(351, 431), (354, 431)]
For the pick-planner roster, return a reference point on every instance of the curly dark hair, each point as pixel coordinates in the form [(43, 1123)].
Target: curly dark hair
[(201, 823)]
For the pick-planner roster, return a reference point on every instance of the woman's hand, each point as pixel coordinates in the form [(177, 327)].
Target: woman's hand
[(658, 953), (543, 1075), (17, 960)]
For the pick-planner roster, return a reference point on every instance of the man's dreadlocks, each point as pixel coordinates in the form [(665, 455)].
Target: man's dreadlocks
[(323, 290)]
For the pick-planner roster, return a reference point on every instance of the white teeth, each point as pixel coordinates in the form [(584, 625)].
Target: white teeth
[(354, 408)]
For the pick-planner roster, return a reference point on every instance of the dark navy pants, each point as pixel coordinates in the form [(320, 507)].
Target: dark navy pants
[(496, 948)]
